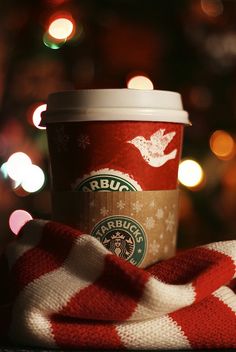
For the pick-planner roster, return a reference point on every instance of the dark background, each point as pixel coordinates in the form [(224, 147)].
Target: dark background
[(185, 46)]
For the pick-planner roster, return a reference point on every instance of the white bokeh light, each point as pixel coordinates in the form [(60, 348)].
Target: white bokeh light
[(17, 166), (33, 180), (190, 173), (140, 82), (61, 28), (36, 117), (18, 219)]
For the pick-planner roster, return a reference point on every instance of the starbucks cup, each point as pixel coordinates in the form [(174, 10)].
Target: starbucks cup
[(114, 161)]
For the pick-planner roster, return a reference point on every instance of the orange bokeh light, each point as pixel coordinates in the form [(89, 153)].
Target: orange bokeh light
[(222, 145), (212, 8)]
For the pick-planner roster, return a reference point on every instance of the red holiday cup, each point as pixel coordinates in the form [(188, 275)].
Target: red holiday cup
[(114, 161)]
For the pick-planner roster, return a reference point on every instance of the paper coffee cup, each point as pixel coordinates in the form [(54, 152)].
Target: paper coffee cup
[(115, 153)]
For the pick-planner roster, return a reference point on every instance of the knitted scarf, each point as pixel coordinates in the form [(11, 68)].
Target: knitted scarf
[(68, 291)]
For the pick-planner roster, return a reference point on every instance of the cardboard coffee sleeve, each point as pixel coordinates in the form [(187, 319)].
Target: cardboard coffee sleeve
[(137, 226)]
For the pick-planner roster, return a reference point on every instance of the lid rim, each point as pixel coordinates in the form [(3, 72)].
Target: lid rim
[(119, 104), (96, 114)]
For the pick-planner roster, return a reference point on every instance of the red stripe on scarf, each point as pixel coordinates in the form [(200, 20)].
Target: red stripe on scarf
[(207, 269), (114, 296), (219, 270), (91, 335), (208, 324), (48, 255), (180, 269)]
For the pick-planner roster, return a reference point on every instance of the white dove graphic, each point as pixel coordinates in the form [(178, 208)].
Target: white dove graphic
[(152, 150)]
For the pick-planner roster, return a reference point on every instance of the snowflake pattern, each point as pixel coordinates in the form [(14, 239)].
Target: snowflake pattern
[(104, 211), (159, 213), (120, 204), (166, 248), (61, 139), (152, 204), (137, 206), (149, 223), (170, 222), (154, 247), (83, 141), (161, 236)]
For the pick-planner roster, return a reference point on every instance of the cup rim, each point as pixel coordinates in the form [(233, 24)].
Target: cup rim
[(115, 104)]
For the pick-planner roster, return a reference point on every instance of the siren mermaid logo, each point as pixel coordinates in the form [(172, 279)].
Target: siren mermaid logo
[(106, 180), (120, 243), (123, 236)]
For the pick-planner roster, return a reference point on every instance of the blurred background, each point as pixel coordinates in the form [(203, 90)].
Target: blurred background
[(185, 46)]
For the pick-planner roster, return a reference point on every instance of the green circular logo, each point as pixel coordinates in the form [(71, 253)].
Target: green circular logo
[(123, 236), (104, 183)]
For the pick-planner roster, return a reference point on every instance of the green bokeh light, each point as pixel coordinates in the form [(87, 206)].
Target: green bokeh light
[(51, 42)]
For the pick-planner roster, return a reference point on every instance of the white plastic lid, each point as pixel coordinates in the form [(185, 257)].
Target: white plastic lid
[(115, 104)]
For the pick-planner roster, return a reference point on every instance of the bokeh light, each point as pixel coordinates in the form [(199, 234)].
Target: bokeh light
[(222, 145), (17, 165), (190, 173), (140, 82), (36, 117), (61, 28), (212, 8), (4, 170), (18, 219), (34, 179)]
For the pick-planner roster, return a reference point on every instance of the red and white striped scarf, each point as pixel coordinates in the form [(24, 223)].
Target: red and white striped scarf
[(68, 291)]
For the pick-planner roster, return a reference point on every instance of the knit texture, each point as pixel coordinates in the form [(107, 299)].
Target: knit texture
[(67, 291)]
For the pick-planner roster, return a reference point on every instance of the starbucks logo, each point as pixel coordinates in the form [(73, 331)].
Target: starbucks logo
[(123, 236), (120, 243), (106, 180)]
